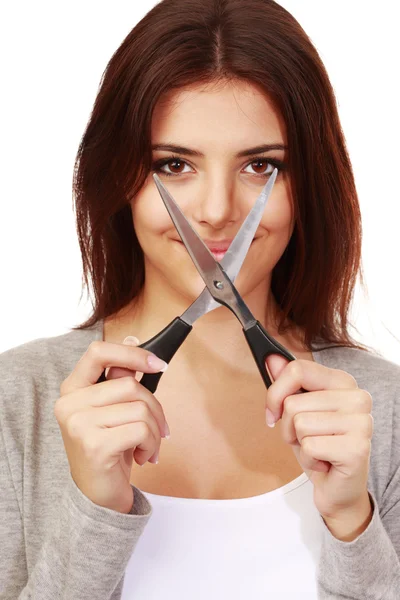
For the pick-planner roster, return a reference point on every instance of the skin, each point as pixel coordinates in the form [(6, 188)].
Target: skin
[(329, 427), (215, 193)]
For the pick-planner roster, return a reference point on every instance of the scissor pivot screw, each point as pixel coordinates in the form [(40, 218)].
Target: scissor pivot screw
[(219, 285)]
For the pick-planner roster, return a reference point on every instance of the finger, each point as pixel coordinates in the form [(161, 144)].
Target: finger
[(314, 465), (107, 417), (311, 376), (275, 364), (101, 355), (328, 401), (136, 436), (129, 412), (345, 451), (113, 392), (122, 414), (330, 423), (116, 372)]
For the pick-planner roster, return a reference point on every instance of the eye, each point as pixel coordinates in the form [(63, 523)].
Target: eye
[(176, 166), (261, 161), (177, 163)]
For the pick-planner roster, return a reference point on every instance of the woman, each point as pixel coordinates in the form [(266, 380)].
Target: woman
[(309, 508)]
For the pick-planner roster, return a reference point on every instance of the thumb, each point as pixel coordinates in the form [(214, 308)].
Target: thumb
[(275, 364)]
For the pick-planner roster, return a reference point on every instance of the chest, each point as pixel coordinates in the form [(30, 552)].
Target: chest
[(220, 446), (227, 481)]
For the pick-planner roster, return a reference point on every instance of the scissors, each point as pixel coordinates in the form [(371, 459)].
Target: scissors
[(219, 290)]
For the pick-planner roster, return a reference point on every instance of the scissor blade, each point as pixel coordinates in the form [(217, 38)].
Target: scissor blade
[(204, 261), (234, 257), (237, 251), (198, 251)]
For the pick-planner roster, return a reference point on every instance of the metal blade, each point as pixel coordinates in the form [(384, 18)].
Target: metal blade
[(204, 261), (237, 251), (234, 257)]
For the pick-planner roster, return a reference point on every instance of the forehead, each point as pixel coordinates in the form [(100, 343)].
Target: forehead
[(236, 113)]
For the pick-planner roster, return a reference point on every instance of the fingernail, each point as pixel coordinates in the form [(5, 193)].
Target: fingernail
[(157, 363), (167, 433), (131, 340), (270, 418), (154, 459)]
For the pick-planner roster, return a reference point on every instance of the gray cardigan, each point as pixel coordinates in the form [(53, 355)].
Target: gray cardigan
[(56, 544)]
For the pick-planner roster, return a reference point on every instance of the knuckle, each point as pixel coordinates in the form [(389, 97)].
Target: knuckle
[(349, 379), (363, 447), (143, 430), (74, 425), (91, 446), (290, 405), (365, 400), (130, 385), (307, 445), (141, 409), (368, 425), (299, 423), (287, 438), (94, 349), (64, 387), (296, 369), (58, 410), (371, 425)]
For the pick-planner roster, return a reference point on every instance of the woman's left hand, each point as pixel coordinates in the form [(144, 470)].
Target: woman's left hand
[(329, 427)]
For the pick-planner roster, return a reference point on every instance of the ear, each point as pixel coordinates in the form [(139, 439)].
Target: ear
[(275, 364)]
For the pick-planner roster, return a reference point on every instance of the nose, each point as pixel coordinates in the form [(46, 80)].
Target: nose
[(217, 203)]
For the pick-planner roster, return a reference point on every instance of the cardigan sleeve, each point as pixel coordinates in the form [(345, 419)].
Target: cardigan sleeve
[(85, 553), (368, 567)]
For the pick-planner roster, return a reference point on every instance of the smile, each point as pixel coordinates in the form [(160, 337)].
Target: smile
[(218, 253)]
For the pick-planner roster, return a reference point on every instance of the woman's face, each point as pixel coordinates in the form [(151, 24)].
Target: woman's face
[(215, 188)]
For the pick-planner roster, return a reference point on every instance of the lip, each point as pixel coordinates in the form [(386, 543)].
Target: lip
[(217, 249), (214, 246)]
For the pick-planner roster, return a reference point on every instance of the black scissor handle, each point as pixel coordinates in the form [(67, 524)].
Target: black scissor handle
[(262, 345), (164, 345)]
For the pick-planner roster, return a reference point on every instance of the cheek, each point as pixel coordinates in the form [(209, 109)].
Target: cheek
[(278, 224), (278, 215), (150, 217), (151, 221)]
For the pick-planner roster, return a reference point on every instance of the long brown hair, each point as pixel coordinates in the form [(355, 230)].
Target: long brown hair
[(183, 42)]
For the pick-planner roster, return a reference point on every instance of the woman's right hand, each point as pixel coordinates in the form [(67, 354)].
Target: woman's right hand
[(105, 426)]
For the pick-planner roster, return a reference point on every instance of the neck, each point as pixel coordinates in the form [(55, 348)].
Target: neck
[(217, 333)]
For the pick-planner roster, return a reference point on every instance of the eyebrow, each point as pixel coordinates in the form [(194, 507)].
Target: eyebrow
[(191, 152)]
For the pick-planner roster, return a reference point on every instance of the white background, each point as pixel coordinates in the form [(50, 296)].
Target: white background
[(52, 57)]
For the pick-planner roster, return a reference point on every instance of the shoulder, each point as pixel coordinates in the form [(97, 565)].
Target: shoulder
[(362, 364), (374, 373), (39, 366), (37, 355)]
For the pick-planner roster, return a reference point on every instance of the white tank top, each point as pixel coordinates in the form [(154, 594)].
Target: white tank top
[(256, 548)]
